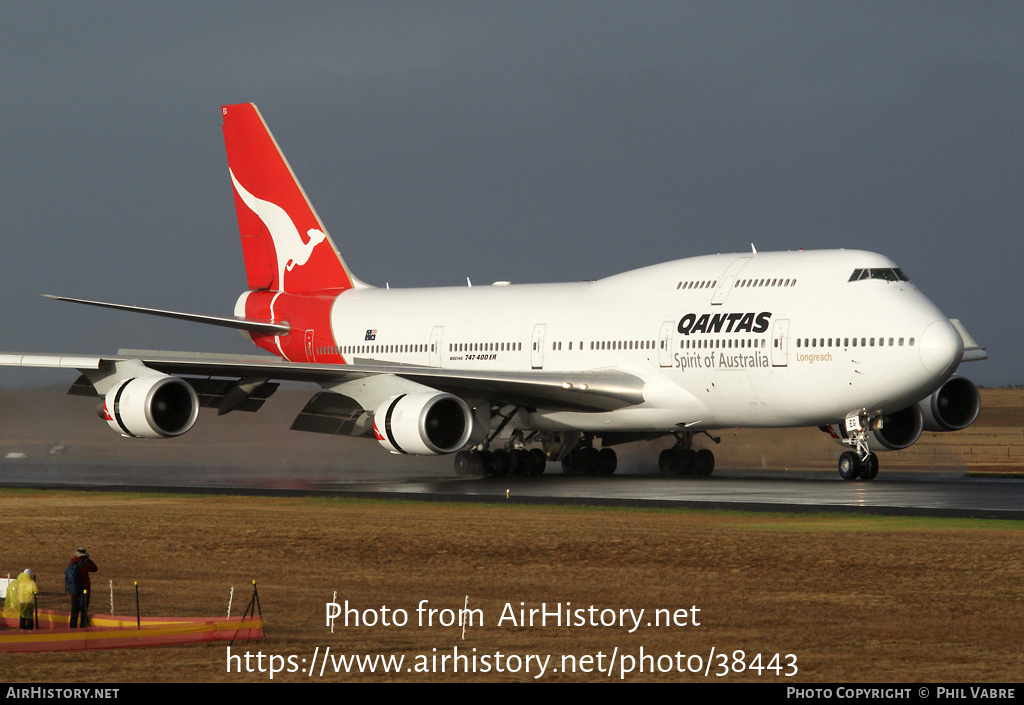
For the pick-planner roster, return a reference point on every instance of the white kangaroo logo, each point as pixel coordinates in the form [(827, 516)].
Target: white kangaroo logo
[(290, 249)]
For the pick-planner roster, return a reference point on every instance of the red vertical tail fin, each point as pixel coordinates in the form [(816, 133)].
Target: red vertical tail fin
[(285, 245)]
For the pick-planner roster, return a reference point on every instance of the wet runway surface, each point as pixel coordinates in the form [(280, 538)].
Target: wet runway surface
[(894, 493)]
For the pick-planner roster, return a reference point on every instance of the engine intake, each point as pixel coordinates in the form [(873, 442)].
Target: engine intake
[(899, 430), (952, 407), (427, 423), (154, 406)]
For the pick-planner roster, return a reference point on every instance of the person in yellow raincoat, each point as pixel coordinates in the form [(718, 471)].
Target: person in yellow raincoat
[(21, 599)]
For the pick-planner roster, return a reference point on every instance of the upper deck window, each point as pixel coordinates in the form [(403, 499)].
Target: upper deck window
[(889, 274)]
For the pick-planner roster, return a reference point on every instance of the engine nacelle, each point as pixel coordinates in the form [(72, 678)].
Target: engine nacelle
[(899, 430), (426, 423), (153, 406), (952, 407)]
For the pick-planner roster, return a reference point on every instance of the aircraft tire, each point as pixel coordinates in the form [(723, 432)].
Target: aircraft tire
[(571, 463), (520, 462), (704, 463), (468, 464), (849, 465), (607, 461), (869, 468), (501, 463), (486, 461), (538, 461), (667, 463), (687, 461)]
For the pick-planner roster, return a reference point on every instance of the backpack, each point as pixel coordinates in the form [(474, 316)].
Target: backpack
[(73, 579)]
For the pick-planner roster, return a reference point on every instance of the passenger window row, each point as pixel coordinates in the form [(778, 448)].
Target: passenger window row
[(740, 283), (699, 343), (749, 283), (379, 349), (852, 342), (696, 284), (484, 347)]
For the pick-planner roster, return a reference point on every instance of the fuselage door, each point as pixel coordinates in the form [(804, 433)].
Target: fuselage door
[(537, 347), (664, 344), (727, 280), (780, 342), (434, 351), (310, 357)]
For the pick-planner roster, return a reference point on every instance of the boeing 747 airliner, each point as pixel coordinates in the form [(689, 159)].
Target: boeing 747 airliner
[(485, 372)]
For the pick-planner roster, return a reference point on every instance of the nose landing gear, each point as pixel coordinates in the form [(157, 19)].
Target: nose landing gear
[(860, 463)]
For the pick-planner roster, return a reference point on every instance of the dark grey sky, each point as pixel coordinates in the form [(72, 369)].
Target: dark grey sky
[(522, 141)]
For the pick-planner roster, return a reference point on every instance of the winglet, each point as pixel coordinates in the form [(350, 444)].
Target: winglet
[(972, 351)]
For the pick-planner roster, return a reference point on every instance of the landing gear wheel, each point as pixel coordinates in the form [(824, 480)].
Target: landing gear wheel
[(869, 467), (703, 463), (501, 463), (462, 463), (587, 461), (486, 461), (538, 461), (520, 462), (667, 464), (607, 461), (849, 465), (572, 463), (679, 461), (687, 461), (470, 463)]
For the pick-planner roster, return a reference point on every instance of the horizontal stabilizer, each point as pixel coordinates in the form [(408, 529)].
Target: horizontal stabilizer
[(248, 324)]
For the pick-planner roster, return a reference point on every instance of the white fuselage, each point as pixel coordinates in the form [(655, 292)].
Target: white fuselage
[(766, 339)]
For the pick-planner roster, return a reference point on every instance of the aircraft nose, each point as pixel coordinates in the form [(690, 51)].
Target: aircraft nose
[(941, 348)]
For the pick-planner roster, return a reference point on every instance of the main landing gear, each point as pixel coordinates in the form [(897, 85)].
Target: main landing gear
[(515, 459), (500, 463), (585, 459), (682, 459)]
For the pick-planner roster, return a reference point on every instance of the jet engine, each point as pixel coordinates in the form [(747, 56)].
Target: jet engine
[(153, 406), (898, 430), (952, 407), (425, 423)]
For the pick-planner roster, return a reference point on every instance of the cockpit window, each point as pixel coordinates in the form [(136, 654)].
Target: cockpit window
[(889, 274)]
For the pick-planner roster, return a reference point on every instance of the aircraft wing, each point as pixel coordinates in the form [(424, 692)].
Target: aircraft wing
[(972, 351), (597, 390)]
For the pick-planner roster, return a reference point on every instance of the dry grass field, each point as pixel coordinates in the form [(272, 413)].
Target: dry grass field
[(855, 599)]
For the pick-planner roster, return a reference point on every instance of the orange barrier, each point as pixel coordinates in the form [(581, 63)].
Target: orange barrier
[(119, 632)]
